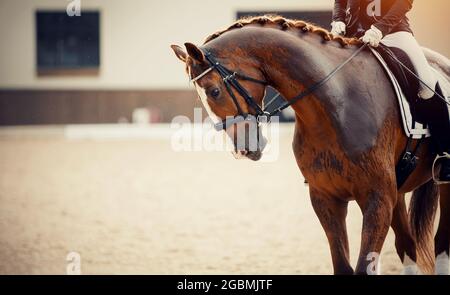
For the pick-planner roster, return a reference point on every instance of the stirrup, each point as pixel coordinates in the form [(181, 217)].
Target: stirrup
[(439, 157)]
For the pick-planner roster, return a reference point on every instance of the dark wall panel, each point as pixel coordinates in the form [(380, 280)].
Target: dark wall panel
[(25, 107)]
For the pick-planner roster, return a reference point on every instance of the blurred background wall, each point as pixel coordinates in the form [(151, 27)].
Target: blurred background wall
[(135, 67)]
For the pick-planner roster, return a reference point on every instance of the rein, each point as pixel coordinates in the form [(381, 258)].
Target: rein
[(230, 79)]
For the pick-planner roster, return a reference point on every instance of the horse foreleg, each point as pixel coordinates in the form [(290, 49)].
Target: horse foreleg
[(404, 241), (377, 210), (442, 239), (332, 212)]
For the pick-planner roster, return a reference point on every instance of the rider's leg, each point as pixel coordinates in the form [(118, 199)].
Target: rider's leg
[(437, 110)]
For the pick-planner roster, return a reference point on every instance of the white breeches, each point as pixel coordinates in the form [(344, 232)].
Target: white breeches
[(406, 42)]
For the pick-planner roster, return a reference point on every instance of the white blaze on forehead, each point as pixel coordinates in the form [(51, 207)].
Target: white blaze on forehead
[(442, 265), (204, 98)]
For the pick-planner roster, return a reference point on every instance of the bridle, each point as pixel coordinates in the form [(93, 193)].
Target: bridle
[(230, 79)]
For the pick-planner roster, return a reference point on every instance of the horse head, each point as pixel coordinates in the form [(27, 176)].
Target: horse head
[(231, 87)]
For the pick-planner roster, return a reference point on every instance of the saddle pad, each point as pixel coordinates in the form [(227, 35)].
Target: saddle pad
[(412, 129)]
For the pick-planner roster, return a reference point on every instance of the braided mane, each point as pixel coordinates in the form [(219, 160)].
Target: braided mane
[(285, 24)]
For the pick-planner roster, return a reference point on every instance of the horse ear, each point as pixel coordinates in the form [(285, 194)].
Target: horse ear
[(194, 52), (179, 52)]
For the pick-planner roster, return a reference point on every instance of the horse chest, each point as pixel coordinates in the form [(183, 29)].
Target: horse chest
[(323, 163), (325, 168)]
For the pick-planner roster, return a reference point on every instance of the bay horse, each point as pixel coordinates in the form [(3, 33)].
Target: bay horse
[(348, 134)]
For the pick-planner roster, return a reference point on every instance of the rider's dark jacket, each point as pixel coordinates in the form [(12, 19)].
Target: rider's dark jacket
[(354, 13)]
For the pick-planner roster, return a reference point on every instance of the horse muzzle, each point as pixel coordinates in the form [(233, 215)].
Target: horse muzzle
[(254, 155)]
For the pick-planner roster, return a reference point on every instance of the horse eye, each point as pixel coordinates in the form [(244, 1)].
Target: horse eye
[(215, 93)]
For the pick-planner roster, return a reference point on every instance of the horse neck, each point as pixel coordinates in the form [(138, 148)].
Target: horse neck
[(293, 65)]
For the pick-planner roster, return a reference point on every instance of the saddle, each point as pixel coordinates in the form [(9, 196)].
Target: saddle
[(408, 83), (406, 87)]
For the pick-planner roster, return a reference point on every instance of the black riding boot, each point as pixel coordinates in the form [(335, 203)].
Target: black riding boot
[(438, 118)]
